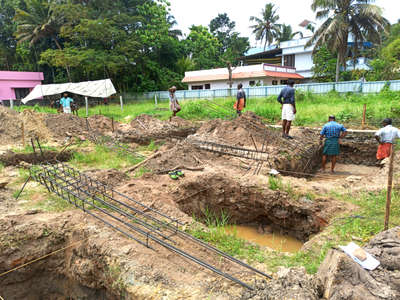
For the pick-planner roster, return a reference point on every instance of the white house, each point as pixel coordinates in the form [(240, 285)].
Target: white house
[(260, 74), (289, 54), (294, 54)]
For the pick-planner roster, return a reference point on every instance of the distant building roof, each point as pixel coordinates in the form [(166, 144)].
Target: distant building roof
[(16, 75), (255, 71), (257, 50)]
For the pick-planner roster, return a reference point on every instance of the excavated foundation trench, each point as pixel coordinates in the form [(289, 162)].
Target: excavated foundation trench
[(245, 203), (255, 205)]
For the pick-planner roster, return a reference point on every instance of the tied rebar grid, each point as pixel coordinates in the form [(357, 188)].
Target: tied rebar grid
[(230, 150), (133, 219)]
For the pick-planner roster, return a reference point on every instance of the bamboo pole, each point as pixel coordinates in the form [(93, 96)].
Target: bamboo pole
[(87, 106), (363, 118), (389, 188), (23, 134)]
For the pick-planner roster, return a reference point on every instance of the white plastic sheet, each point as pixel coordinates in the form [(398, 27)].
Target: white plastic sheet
[(98, 88)]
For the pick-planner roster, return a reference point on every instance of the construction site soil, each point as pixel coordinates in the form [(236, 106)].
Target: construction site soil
[(99, 263)]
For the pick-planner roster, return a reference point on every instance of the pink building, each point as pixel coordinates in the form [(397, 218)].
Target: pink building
[(16, 85)]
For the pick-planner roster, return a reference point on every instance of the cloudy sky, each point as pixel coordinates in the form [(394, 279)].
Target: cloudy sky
[(189, 12)]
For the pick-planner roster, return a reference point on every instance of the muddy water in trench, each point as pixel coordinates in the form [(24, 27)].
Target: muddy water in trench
[(274, 241)]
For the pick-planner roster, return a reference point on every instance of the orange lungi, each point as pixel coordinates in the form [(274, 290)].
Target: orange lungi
[(384, 151), (239, 104)]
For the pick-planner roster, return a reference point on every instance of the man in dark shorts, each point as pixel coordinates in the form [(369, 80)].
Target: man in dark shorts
[(287, 99), (332, 132)]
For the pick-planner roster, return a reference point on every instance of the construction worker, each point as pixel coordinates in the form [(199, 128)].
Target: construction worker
[(386, 137), (173, 102), (288, 108), (65, 102), (240, 103), (332, 132)]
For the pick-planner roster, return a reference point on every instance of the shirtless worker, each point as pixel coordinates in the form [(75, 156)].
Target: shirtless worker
[(386, 137), (332, 132), (288, 108)]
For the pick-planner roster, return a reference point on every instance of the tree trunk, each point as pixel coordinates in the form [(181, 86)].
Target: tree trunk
[(230, 74), (338, 67), (66, 67)]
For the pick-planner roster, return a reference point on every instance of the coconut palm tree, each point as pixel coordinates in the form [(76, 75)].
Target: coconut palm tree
[(39, 21), (266, 28), (286, 33), (359, 19)]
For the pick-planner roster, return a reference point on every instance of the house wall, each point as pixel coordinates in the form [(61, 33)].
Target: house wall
[(216, 85), (10, 80)]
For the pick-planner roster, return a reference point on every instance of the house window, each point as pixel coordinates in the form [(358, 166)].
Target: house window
[(207, 86), (252, 83), (274, 82), (197, 87), (289, 60), (284, 81), (21, 93)]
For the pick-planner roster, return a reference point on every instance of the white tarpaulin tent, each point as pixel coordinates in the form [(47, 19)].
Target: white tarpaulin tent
[(98, 88)]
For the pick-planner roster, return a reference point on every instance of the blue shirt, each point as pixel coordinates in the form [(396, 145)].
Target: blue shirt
[(287, 94), (332, 129), (66, 102)]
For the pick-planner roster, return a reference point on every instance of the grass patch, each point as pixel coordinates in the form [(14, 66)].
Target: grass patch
[(215, 233), (313, 109), (275, 183), (103, 158), (151, 147), (141, 171)]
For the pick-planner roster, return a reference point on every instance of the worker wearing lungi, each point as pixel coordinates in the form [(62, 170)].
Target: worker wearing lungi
[(287, 99), (332, 132), (173, 102), (240, 103), (386, 137)]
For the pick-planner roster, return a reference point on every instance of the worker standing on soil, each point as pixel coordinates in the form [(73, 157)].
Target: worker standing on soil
[(240, 103), (332, 132), (288, 108), (173, 102), (386, 137), (65, 101)]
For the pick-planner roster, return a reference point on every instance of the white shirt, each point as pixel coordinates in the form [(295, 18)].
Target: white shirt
[(388, 134)]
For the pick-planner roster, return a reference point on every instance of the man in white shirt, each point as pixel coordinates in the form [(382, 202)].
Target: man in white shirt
[(386, 137)]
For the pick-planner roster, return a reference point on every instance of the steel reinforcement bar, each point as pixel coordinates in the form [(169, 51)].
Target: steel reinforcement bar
[(230, 150), (142, 224)]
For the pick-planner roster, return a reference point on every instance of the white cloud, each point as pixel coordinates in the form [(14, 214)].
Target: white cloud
[(189, 12)]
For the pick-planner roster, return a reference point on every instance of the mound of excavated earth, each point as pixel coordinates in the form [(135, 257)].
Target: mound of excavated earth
[(298, 156), (145, 128), (48, 127)]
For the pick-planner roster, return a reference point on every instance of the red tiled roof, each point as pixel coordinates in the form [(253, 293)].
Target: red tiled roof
[(242, 75), (283, 75)]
